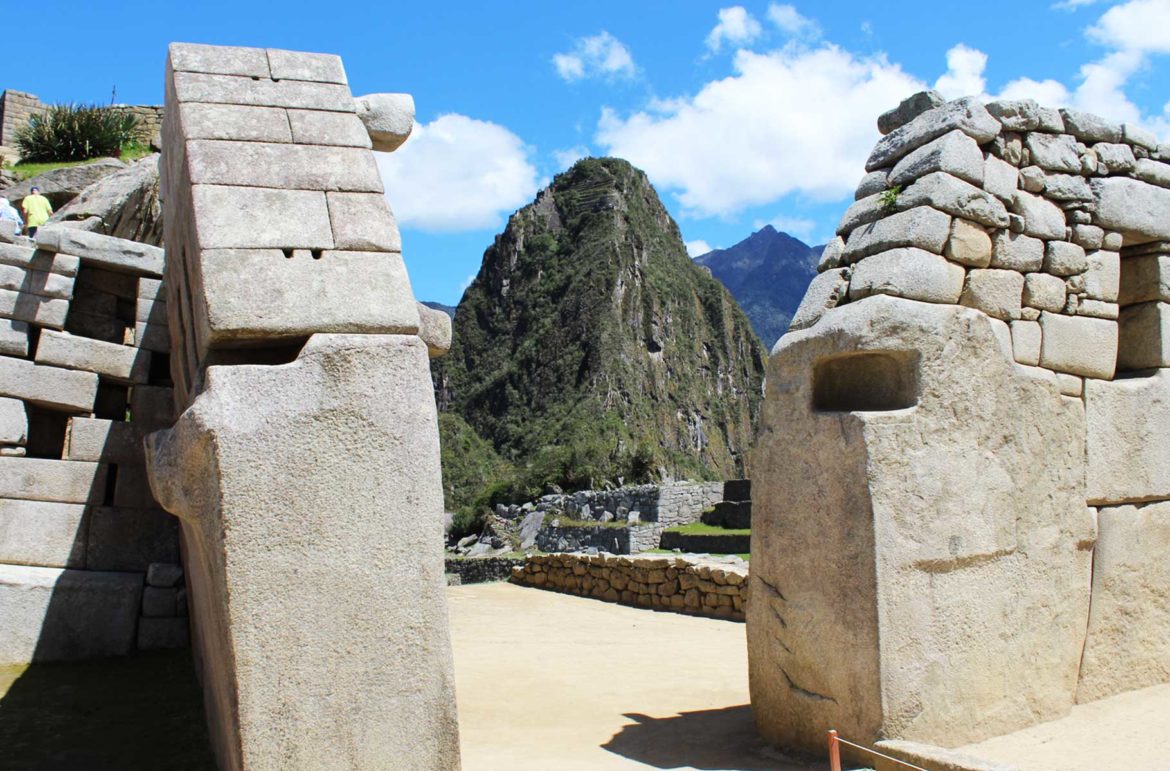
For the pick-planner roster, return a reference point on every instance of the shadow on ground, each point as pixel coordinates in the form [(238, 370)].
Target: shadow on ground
[(124, 714), (710, 740)]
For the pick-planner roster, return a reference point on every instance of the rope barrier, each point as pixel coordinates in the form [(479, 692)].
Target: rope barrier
[(835, 753)]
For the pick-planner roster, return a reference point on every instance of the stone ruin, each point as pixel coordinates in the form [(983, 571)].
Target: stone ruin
[(963, 495), (304, 466), (88, 561)]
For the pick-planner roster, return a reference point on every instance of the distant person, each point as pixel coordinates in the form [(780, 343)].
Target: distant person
[(37, 210), (8, 213)]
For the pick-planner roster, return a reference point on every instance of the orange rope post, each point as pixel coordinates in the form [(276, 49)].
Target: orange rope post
[(834, 752)]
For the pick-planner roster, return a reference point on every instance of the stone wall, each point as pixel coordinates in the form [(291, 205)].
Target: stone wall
[(478, 570), (304, 466), (16, 107), (83, 376), (681, 584), (966, 427)]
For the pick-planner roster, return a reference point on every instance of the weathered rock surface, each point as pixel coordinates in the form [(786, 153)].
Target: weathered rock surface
[(63, 185), (124, 204), (1128, 645), (983, 529), (388, 118)]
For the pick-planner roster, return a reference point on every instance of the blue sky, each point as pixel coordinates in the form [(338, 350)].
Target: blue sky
[(742, 114)]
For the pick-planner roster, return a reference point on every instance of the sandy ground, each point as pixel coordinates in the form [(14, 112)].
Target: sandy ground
[(550, 681), (1129, 731)]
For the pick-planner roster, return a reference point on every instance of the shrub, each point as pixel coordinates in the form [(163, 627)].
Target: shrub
[(75, 132)]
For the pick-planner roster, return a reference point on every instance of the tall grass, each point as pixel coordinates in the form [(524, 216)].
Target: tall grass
[(75, 132)]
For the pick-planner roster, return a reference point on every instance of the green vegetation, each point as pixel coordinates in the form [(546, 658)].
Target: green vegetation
[(75, 132), (130, 153), (590, 350), (746, 557), (698, 528), (889, 197)]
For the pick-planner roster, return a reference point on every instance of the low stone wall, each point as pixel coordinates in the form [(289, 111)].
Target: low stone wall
[(714, 543), (480, 570), (615, 540), (681, 584)]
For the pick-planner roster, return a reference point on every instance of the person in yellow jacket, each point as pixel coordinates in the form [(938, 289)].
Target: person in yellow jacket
[(36, 210)]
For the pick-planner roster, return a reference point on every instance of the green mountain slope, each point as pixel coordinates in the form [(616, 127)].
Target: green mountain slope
[(589, 347)]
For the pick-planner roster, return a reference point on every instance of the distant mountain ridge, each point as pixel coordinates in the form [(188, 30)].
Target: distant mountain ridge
[(767, 273), (448, 309), (590, 348)]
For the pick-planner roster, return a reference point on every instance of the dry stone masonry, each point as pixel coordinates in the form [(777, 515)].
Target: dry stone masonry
[(82, 380), (304, 466), (966, 436), (694, 585)]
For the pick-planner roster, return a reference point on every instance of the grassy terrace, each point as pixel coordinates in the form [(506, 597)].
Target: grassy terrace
[(25, 171), (698, 528)]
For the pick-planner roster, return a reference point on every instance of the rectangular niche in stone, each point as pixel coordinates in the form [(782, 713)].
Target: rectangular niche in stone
[(869, 382)]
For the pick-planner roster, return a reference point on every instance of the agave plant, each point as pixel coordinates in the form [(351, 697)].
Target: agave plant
[(75, 132)]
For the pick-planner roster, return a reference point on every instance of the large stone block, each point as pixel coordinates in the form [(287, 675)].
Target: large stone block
[(911, 273), (921, 227), (219, 60), (313, 127), (296, 490), (42, 533), (120, 363), (130, 539), (824, 293), (1135, 209), (45, 479), (1128, 443), (1103, 279), (1054, 153), (52, 387), (260, 218), (954, 196), (917, 558), (13, 421), (954, 152), (238, 122), (363, 222), (1016, 251), (297, 296), (34, 259), (229, 89), (116, 254), (995, 292), (1145, 278), (435, 330), (13, 338), (1042, 219), (51, 614), (299, 65), (104, 441), (1078, 345), (33, 309), (966, 115), (36, 282), (284, 166), (1128, 645), (1145, 336), (388, 118)]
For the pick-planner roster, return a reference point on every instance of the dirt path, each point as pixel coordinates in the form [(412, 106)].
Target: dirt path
[(549, 681)]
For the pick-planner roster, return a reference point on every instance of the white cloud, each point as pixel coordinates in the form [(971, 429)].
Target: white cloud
[(795, 120), (964, 75), (1072, 5), (795, 226), (600, 55), (1139, 25), (457, 173), (567, 157), (697, 248), (736, 26), (788, 19), (1049, 93)]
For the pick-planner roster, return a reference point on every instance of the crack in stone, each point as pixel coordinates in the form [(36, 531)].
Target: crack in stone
[(958, 563), (804, 691)]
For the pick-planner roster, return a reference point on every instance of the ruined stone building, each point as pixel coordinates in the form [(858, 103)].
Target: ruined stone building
[(963, 495)]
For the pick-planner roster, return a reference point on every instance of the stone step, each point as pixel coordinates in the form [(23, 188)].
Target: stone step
[(734, 515)]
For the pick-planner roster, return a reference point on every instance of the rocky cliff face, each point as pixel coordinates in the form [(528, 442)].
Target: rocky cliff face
[(767, 273), (590, 347)]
